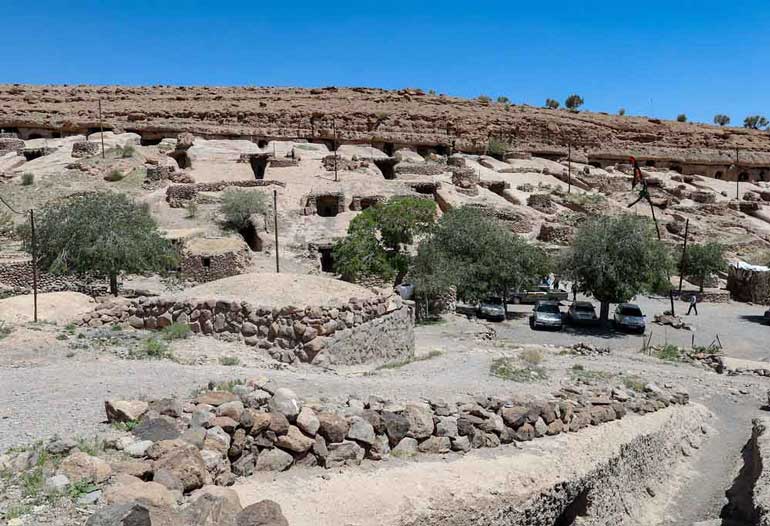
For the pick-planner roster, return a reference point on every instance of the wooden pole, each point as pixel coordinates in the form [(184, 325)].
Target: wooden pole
[(101, 126), (275, 222), (737, 177), (683, 264), (569, 168), (34, 263), (334, 127)]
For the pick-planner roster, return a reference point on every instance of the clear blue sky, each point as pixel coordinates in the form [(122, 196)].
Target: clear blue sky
[(656, 57)]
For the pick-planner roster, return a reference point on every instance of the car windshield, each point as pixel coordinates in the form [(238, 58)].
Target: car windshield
[(493, 301), (631, 311), (551, 309), (584, 308)]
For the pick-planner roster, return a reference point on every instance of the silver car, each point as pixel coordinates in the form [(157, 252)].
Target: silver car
[(491, 309), (546, 315), (628, 316), (582, 312)]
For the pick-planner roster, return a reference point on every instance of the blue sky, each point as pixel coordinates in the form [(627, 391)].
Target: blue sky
[(656, 57)]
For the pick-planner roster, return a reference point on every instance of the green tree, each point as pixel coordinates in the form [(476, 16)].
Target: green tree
[(681, 117), (703, 260), (622, 111), (497, 147), (573, 102), (378, 238), (755, 122), (502, 99), (616, 258), (477, 255), (99, 234), (551, 104), (239, 205), (721, 119)]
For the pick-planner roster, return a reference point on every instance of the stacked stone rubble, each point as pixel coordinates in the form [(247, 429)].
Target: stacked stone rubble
[(177, 196)]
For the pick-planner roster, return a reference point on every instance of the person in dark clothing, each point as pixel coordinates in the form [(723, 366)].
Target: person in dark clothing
[(574, 292), (693, 304)]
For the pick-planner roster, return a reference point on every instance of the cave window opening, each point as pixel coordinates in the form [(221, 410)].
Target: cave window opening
[(676, 168), (327, 259), (327, 205), (206, 262), (649, 163), (743, 176), (577, 508), (250, 236), (719, 175), (386, 166)]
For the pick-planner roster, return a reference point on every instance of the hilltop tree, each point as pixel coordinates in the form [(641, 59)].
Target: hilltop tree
[(721, 119), (681, 117), (377, 239), (755, 122), (101, 235), (622, 111), (474, 252), (484, 99), (552, 104), (503, 99), (704, 260), (573, 102), (616, 258)]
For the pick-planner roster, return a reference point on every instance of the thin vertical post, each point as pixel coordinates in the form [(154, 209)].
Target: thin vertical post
[(569, 168), (101, 126), (334, 128), (34, 263), (683, 264), (275, 223), (737, 177)]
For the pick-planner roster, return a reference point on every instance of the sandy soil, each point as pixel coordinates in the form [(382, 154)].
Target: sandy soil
[(53, 307)]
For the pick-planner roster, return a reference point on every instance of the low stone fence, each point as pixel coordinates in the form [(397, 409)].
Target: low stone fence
[(379, 329), (178, 195), (85, 149), (257, 426), (424, 169), (17, 276), (556, 234)]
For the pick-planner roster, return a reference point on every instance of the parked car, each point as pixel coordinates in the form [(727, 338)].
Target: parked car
[(546, 315), (541, 293), (491, 309), (582, 313), (628, 316)]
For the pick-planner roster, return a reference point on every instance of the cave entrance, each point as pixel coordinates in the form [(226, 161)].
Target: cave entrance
[(34, 136), (676, 168), (262, 143), (743, 176), (327, 259), (577, 508), (251, 237), (31, 154), (258, 165), (368, 202), (719, 175), (327, 205), (146, 141), (649, 163), (595, 164), (182, 159), (387, 167)]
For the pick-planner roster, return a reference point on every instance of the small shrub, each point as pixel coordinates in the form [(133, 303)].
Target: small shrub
[(156, 348), (16, 510), (114, 176), (6, 223), (27, 179), (497, 147), (128, 152), (681, 117), (32, 482), (239, 205), (129, 425), (669, 353), (395, 365), (633, 382), (579, 372), (80, 488), (484, 99), (93, 446), (176, 331), (503, 368), (552, 104), (5, 330), (431, 92), (531, 356), (503, 99), (192, 210), (721, 119), (622, 111), (229, 361)]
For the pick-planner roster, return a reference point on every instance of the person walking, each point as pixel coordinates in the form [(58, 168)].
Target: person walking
[(574, 292), (693, 304)]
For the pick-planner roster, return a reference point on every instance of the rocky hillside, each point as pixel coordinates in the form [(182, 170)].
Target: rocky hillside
[(360, 114)]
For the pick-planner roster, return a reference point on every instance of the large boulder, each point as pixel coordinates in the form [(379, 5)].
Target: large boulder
[(361, 431), (212, 509), (187, 464), (294, 441), (285, 402), (274, 460), (333, 427), (308, 422), (127, 489), (129, 514), (263, 513), (396, 426), (156, 428), (125, 410), (420, 419), (82, 467)]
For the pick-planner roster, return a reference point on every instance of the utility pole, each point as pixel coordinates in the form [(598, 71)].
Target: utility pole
[(569, 168), (275, 223), (34, 263), (334, 128), (101, 126), (737, 177), (683, 265)]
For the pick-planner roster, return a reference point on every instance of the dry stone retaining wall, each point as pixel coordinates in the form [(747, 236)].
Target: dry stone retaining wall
[(178, 195), (361, 331)]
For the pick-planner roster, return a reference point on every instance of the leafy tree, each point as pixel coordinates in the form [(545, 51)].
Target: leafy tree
[(497, 147), (239, 205), (573, 102), (703, 260), (377, 239), (551, 104), (99, 234), (681, 117), (503, 99), (622, 111), (721, 119), (6, 223), (755, 122), (476, 254), (616, 258)]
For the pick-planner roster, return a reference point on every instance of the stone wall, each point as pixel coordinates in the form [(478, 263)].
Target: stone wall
[(18, 277), (306, 334), (203, 267), (749, 286), (85, 149), (178, 195)]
